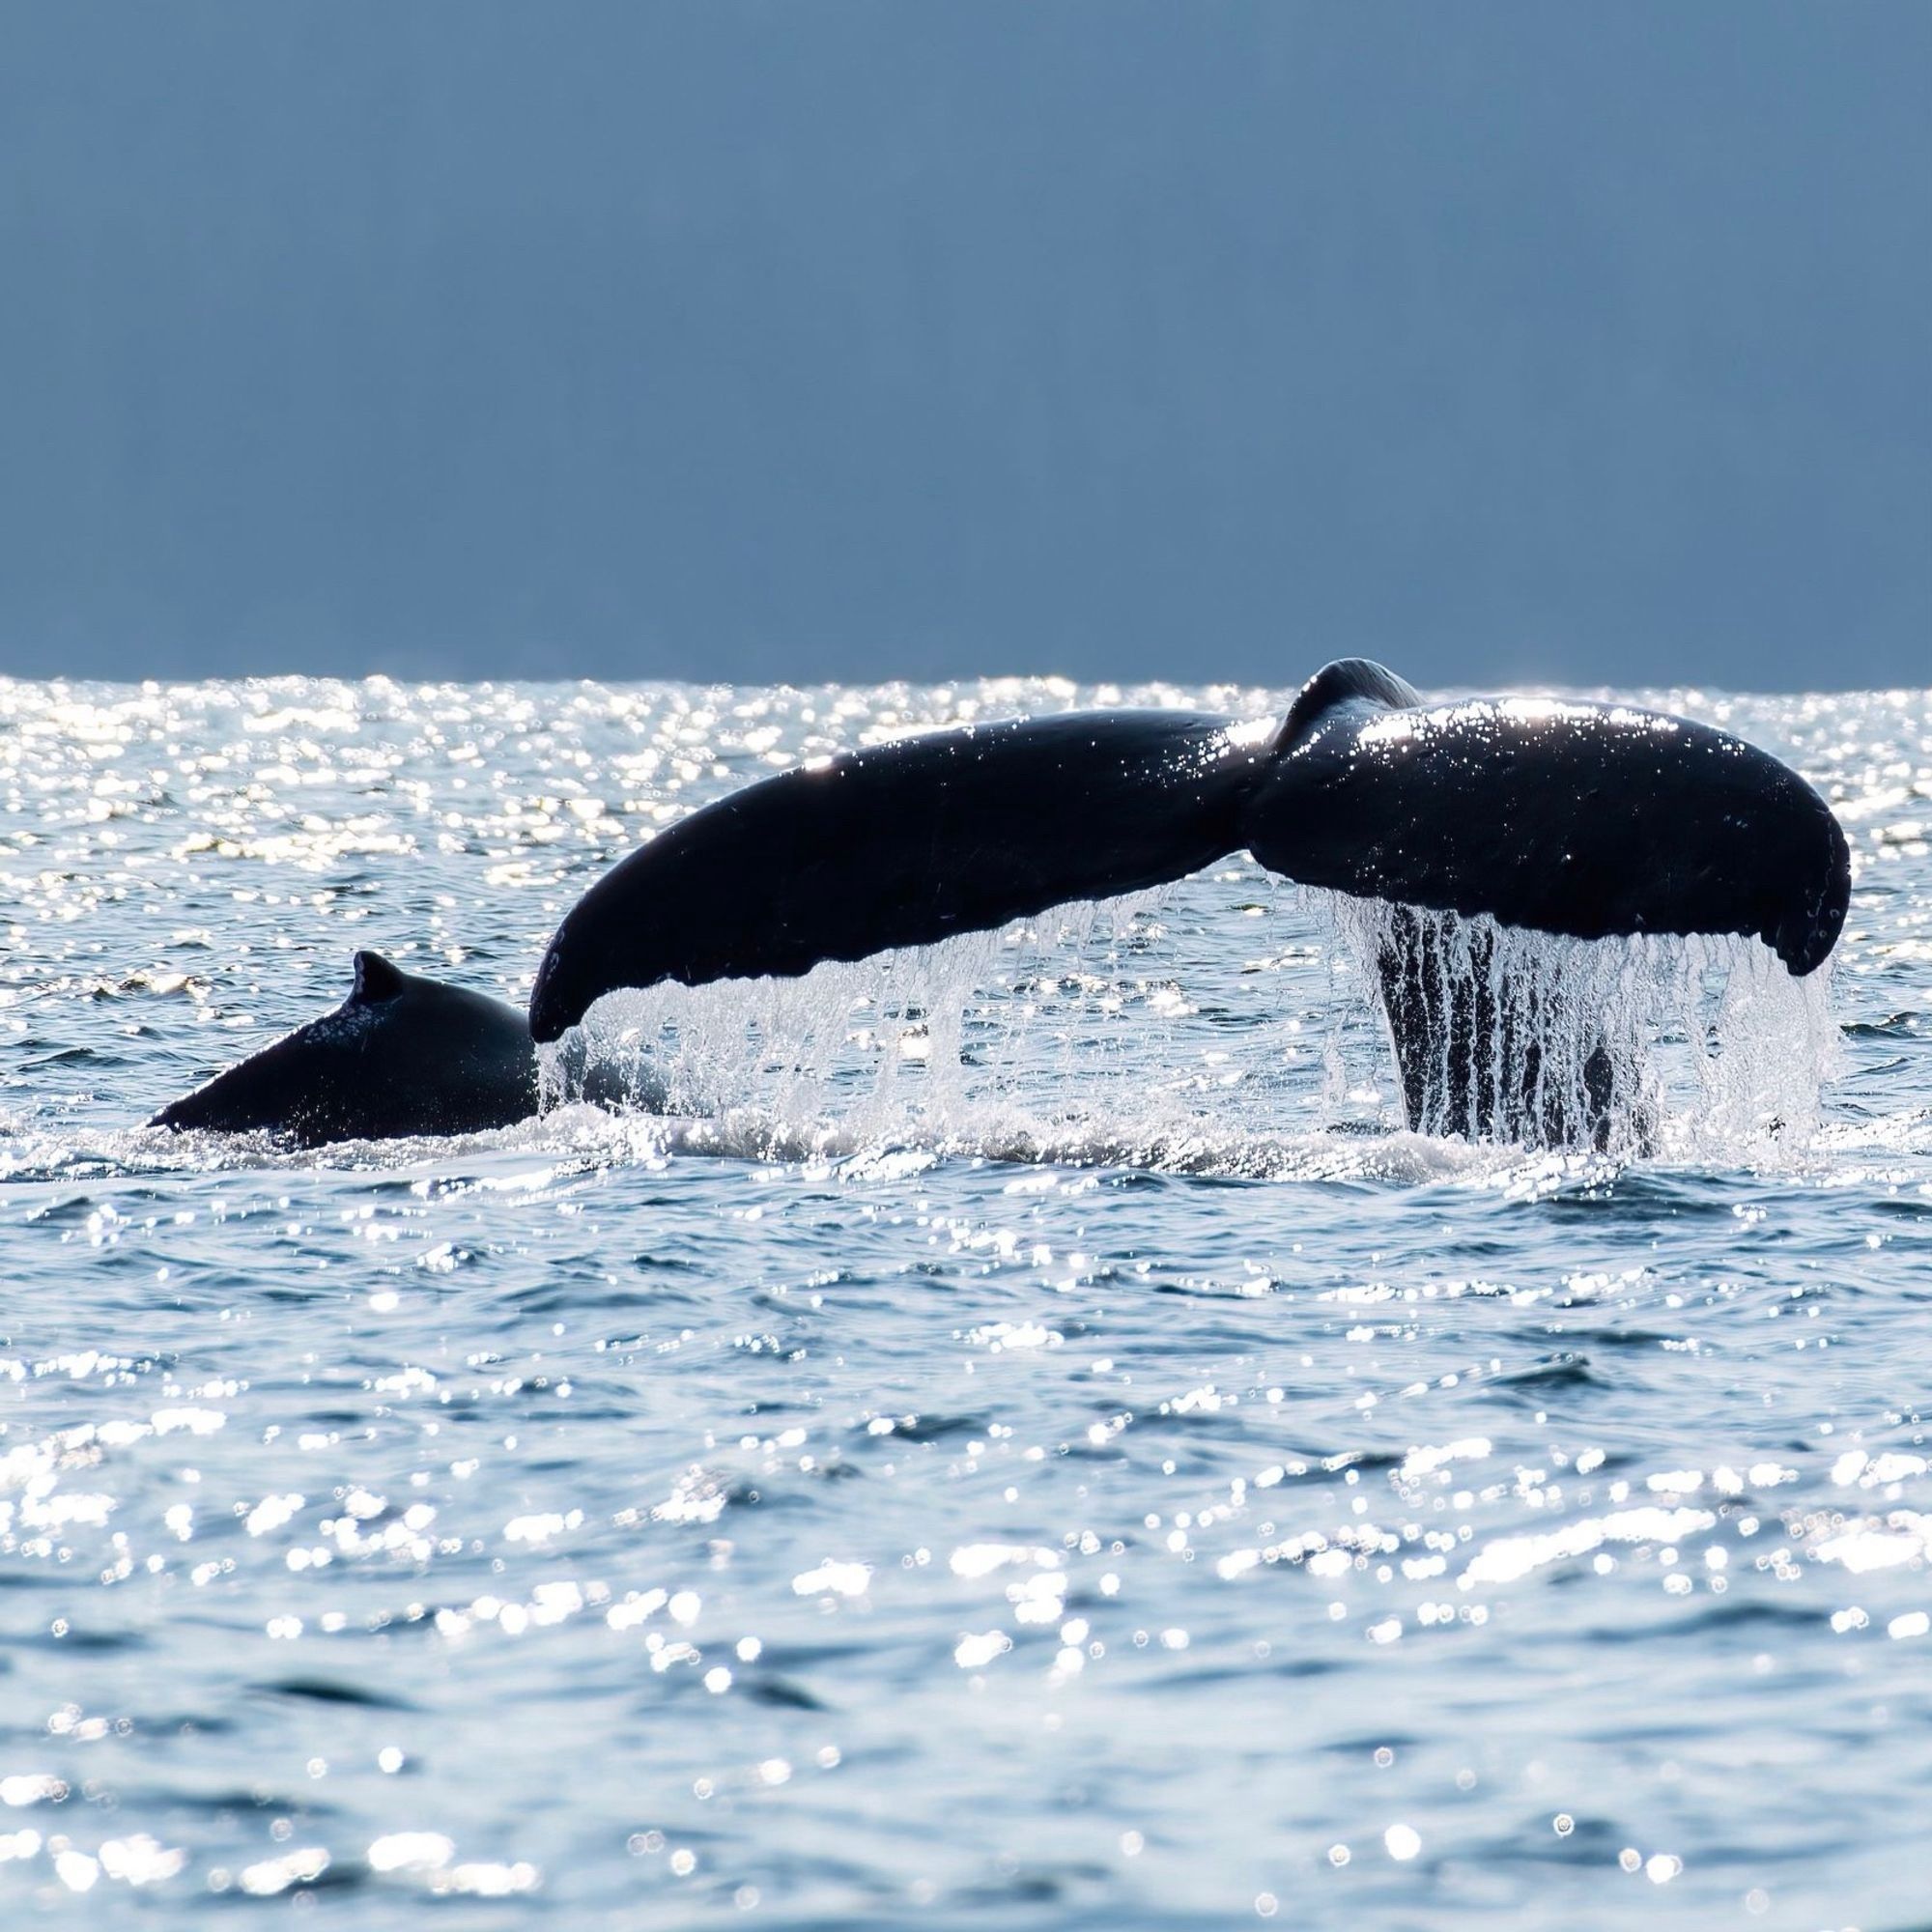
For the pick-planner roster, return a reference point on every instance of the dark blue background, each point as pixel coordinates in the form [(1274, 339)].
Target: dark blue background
[(1505, 341)]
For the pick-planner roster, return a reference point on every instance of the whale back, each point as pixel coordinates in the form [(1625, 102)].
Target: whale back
[(402, 1055)]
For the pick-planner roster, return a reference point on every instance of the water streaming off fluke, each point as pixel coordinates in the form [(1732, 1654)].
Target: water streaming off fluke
[(1039, 1038)]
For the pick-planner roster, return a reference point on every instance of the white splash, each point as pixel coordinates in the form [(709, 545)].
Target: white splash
[(1037, 1043), (1643, 1043)]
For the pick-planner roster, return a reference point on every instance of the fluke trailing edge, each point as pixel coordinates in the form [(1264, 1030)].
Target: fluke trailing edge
[(1583, 820)]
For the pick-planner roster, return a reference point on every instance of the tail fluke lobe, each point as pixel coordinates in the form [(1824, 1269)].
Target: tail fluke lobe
[(1580, 819), (904, 844)]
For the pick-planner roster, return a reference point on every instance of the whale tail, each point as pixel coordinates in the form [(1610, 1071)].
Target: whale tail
[(1580, 819)]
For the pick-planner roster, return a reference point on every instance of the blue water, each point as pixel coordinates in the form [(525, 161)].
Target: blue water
[(1023, 1441)]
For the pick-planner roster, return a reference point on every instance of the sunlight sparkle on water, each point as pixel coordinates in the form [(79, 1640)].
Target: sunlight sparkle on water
[(1035, 1383)]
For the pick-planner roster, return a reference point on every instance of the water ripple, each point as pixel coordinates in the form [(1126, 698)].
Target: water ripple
[(1129, 1485)]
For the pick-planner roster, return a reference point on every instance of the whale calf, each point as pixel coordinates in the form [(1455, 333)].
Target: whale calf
[(401, 1055), (1577, 819)]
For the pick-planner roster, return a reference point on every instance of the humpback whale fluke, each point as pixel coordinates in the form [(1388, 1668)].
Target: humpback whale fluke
[(1577, 819), (402, 1055)]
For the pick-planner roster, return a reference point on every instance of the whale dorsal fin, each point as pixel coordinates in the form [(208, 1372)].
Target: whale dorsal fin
[(376, 980), (1336, 684)]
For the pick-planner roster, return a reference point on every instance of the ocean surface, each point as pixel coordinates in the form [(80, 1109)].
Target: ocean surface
[(1017, 1439)]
